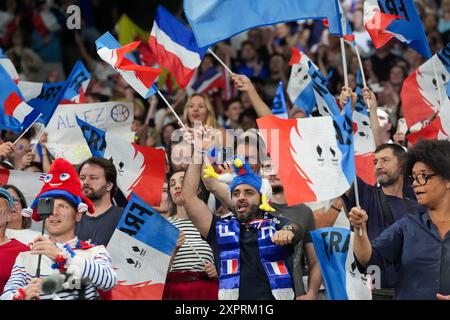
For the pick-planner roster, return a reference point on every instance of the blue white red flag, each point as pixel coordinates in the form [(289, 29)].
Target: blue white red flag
[(421, 89), (277, 268), (334, 250), (79, 80), (174, 46), (229, 266), (141, 248), (316, 155), (15, 112), (210, 81), (325, 102), (215, 20), (279, 103), (139, 169), (140, 78), (386, 19)]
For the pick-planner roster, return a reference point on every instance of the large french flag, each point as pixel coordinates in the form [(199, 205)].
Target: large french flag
[(6, 63), (140, 249), (316, 155), (175, 47), (386, 19), (139, 169), (420, 91), (15, 112), (334, 250), (364, 138), (140, 78), (229, 266)]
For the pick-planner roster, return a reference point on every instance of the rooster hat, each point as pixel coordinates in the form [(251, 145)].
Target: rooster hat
[(62, 181)]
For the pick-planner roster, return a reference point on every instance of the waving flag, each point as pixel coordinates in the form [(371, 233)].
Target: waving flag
[(334, 250), (325, 102), (215, 20), (420, 91), (140, 78), (45, 97), (279, 103), (174, 46), (316, 155), (300, 88), (386, 19), (6, 63), (77, 85), (211, 80), (28, 182), (439, 128), (15, 112), (364, 139), (139, 169), (141, 248)]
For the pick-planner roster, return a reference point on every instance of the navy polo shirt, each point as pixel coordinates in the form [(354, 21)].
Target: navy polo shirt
[(423, 259)]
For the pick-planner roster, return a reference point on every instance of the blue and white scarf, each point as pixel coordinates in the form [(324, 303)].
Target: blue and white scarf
[(272, 258)]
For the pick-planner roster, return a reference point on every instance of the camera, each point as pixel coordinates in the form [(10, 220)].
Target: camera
[(45, 207)]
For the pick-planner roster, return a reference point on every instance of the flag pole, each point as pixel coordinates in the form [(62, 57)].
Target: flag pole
[(38, 138), (220, 61), (171, 109), (26, 130), (344, 68)]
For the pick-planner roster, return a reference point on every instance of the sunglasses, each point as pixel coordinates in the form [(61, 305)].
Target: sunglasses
[(421, 178)]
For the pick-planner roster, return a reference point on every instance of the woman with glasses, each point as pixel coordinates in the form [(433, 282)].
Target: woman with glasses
[(418, 243), (19, 226)]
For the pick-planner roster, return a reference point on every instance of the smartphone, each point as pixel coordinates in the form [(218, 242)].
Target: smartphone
[(402, 126), (45, 207)]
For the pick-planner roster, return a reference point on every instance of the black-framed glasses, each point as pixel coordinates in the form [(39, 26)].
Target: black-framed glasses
[(421, 178)]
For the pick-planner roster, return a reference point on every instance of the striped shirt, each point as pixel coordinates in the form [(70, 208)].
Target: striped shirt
[(187, 257), (92, 265)]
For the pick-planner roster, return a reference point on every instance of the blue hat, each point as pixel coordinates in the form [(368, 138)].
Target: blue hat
[(245, 175), (6, 195)]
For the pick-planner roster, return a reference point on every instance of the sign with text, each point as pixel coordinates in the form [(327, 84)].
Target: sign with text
[(67, 141)]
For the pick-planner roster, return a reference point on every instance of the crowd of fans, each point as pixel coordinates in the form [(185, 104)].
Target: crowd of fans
[(260, 60)]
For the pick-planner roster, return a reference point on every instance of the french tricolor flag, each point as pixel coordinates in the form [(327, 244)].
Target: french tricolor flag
[(210, 81), (174, 47), (15, 107), (230, 266), (277, 268), (140, 78)]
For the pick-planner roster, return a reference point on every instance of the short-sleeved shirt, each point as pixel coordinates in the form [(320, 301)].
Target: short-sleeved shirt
[(8, 254), (303, 216), (414, 244), (254, 284), (100, 229)]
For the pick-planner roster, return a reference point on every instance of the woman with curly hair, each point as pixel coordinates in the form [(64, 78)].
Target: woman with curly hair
[(418, 244)]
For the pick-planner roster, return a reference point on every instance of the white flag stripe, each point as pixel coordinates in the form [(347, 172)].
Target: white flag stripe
[(152, 266), (188, 58)]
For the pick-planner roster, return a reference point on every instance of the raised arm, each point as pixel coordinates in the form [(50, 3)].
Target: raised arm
[(243, 83), (369, 97)]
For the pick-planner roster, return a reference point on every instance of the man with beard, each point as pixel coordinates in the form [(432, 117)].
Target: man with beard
[(303, 216), (98, 178), (386, 203), (251, 244)]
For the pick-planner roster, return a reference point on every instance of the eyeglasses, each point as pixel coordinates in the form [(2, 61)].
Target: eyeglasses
[(421, 178)]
